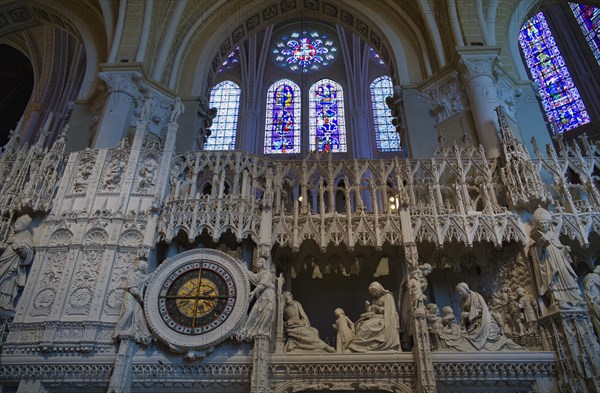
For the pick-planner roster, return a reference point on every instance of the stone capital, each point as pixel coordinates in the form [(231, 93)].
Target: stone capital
[(474, 62)]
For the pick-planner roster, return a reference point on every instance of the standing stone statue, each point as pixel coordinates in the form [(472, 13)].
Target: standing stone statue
[(344, 328), (177, 109), (14, 261), (262, 314), (591, 287), (132, 323), (555, 278), (147, 108)]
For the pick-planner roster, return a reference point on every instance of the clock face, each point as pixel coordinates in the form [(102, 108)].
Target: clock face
[(197, 299)]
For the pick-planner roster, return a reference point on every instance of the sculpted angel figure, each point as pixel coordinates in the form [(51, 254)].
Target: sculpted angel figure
[(262, 313), (132, 321)]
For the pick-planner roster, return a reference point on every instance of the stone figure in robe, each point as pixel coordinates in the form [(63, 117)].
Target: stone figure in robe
[(345, 330), (434, 325), (262, 314), (451, 336), (132, 324), (555, 278), (147, 108), (177, 109), (377, 328), (591, 287), (300, 335), (527, 310), (480, 329), (14, 261)]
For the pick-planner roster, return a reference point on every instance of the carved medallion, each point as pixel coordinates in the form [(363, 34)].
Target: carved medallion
[(197, 299)]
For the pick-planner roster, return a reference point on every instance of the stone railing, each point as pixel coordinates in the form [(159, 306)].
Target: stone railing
[(456, 195), (214, 192), (572, 178)]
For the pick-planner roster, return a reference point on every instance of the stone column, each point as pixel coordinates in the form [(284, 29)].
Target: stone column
[(260, 370), (477, 67), (120, 380), (578, 353), (421, 346), (123, 88)]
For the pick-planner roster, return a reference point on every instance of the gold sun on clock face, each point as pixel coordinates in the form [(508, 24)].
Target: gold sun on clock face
[(197, 298)]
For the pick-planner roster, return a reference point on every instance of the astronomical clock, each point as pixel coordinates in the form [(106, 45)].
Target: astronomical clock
[(197, 299)]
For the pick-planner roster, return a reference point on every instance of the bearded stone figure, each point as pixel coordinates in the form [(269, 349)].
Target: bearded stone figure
[(14, 261)]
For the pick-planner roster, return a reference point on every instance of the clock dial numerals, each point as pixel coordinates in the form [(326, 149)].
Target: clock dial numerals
[(197, 298)]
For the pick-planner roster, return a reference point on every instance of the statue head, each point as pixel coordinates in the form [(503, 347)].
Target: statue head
[(339, 312), (261, 263), (22, 223), (287, 297), (597, 269), (448, 313), (376, 289), (433, 309), (463, 289), (542, 219)]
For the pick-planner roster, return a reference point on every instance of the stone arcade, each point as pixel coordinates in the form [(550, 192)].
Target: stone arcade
[(301, 195)]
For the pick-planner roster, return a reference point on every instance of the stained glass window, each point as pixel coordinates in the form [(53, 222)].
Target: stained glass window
[(560, 98), (327, 126), (589, 21), (385, 133), (304, 51), (375, 56), (225, 96), (282, 129), (231, 60)]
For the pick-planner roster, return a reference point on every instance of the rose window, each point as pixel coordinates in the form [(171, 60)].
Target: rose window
[(304, 51)]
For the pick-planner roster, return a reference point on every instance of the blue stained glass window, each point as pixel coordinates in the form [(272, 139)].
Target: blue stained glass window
[(327, 125), (225, 96), (589, 21), (560, 98), (282, 129), (385, 133)]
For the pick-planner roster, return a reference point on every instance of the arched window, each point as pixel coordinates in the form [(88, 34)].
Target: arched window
[(282, 126), (327, 125), (385, 133), (588, 18), (560, 98), (225, 96)]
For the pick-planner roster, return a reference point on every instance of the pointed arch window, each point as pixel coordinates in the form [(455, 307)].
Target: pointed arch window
[(327, 123), (588, 18), (560, 98), (282, 126), (386, 137), (225, 96)]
